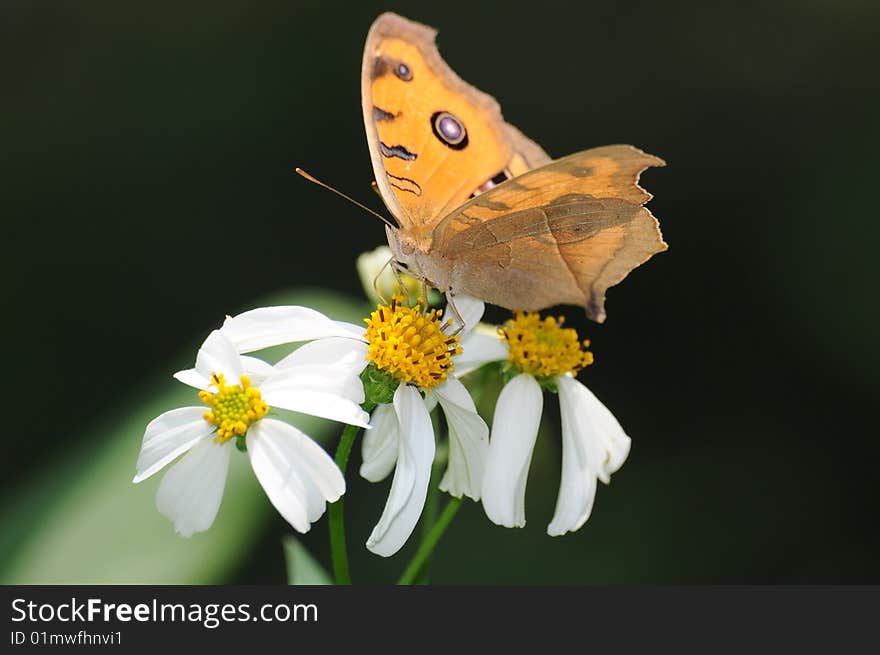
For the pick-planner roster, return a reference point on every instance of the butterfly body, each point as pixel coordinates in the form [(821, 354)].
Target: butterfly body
[(481, 209)]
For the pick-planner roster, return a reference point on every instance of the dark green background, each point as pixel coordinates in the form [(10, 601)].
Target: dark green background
[(146, 191)]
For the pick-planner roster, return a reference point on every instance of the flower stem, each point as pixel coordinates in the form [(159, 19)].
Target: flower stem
[(338, 550), (429, 514), (429, 520), (429, 542)]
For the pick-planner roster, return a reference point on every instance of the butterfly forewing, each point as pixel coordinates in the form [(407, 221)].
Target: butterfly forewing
[(434, 139)]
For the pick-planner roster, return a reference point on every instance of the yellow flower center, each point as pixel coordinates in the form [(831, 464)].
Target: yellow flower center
[(234, 407), (410, 345), (542, 347)]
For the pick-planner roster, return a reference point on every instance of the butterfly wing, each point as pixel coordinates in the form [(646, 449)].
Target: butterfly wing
[(434, 139), (559, 234)]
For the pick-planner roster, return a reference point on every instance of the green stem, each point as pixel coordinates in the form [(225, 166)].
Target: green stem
[(429, 542), (338, 550), (429, 518), (429, 514)]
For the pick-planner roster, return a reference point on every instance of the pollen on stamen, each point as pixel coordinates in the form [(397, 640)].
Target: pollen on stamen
[(542, 347), (234, 408), (410, 344)]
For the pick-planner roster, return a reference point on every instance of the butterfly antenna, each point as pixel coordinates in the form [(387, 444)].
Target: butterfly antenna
[(310, 178)]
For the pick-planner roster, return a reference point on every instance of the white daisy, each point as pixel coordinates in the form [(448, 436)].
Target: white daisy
[(416, 351), (296, 473), (593, 444)]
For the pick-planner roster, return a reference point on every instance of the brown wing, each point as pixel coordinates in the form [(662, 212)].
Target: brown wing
[(434, 139), (559, 234)]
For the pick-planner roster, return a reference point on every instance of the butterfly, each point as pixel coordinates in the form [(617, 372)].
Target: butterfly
[(480, 208)]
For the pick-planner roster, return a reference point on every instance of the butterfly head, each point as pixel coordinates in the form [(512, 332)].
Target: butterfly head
[(406, 242), (410, 249), (402, 245)]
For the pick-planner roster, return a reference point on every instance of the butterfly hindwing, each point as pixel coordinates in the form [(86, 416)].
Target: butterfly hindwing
[(559, 234)]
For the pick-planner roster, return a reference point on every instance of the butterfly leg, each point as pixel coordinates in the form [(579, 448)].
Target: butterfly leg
[(378, 275), (450, 303), (425, 295), (397, 269)]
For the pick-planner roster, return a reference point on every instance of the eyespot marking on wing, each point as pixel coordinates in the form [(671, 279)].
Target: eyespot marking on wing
[(403, 71), (383, 65), (450, 131)]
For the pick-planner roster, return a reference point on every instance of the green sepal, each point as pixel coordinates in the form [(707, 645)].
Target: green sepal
[(379, 386), (549, 384), (241, 443), (508, 372)]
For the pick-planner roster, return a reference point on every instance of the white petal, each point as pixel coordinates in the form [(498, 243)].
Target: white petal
[(192, 378), (191, 491), (318, 378), (617, 454), (169, 436), (478, 349), (431, 401), (271, 326), (411, 475), (256, 369), (321, 378), (295, 498), (217, 355), (316, 463), (468, 441), (351, 330), (296, 473), (336, 352), (577, 486), (514, 430), (330, 365), (605, 443), (297, 395), (471, 310), (380, 444)]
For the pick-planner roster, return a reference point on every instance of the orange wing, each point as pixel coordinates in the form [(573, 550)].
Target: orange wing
[(559, 234), (434, 139)]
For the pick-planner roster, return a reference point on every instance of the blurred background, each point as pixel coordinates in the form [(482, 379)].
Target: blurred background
[(146, 190)]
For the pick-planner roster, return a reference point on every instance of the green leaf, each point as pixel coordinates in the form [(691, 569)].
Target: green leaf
[(302, 568), (80, 519)]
